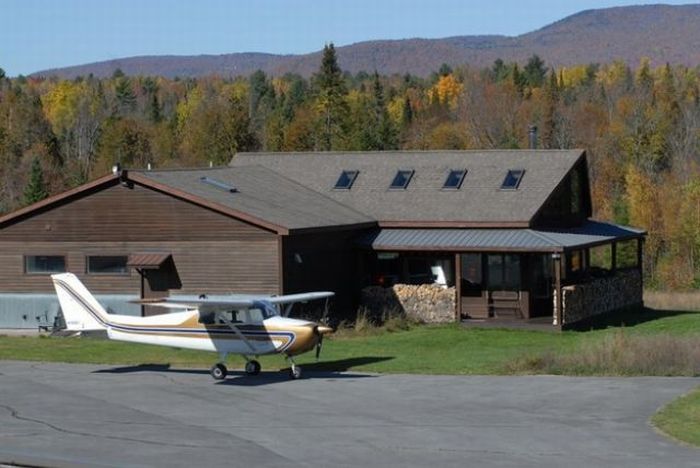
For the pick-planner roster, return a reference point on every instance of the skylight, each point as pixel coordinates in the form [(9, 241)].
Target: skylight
[(401, 179), (218, 184), (513, 178), (346, 179), (454, 179)]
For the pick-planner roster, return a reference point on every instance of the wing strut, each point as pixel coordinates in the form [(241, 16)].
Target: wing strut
[(235, 329)]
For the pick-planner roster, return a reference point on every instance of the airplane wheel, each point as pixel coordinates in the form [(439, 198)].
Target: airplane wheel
[(218, 371), (295, 372), (252, 367)]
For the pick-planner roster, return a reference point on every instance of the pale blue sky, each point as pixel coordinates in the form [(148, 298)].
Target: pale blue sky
[(41, 34)]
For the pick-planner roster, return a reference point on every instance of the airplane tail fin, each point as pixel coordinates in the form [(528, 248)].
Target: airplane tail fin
[(81, 310)]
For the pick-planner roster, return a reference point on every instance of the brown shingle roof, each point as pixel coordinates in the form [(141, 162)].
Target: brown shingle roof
[(263, 194), (479, 200)]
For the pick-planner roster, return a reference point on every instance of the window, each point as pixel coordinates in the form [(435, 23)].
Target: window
[(504, 272), (388, 269), (346, 179), (107, 265), (454, 179), (401, 179), (471, 275), (512, 180), (576, 193), (44, 264)]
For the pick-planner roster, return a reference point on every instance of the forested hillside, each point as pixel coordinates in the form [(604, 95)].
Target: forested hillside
[(639, 125), (664, 33)]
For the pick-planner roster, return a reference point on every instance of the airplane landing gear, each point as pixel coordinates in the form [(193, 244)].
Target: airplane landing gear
[(218, 371), (252, 367), (294, 370)]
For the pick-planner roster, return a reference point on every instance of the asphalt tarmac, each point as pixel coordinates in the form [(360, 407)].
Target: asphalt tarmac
[(83, 415)]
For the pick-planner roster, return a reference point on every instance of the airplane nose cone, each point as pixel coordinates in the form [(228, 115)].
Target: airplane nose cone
[(323, 330)]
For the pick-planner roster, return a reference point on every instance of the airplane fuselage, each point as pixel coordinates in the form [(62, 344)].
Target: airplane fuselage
[(183, 330)]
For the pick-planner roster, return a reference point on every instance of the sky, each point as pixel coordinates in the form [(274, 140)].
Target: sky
[(40, 34)]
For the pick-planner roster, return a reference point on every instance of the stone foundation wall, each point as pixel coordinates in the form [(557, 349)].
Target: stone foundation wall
[(426, 303), (581, 301)]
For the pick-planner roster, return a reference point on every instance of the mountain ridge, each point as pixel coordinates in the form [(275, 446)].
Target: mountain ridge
[(663, 33)]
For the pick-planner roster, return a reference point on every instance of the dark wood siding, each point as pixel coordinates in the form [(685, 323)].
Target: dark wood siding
[(329, 262), (570, 203), (203, 267), (213, 253)]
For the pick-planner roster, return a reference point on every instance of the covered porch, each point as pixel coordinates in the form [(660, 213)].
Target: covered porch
[(557, 276)]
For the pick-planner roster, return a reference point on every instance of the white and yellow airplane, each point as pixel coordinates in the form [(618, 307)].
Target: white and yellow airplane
[(247, 325)]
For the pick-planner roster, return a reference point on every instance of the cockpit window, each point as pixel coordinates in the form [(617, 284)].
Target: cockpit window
[(259, 312)]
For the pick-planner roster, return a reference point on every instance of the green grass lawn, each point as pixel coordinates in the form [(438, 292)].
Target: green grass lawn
[(447, 349), (681, 418)]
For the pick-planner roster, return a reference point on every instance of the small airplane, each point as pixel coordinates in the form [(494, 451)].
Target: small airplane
[(247, 325)]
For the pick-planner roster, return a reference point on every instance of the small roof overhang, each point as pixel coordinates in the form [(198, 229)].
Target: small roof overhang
[(147, 260), (590, 234)]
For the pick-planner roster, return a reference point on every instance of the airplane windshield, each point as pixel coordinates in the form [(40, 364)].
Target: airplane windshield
[(259, 312), (266, 309)]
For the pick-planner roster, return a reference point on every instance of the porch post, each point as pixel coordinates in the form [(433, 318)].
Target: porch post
[(558, 292), (613, 260), (458, 287)]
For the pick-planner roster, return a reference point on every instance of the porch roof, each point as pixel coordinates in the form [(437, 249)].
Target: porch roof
[(513, 240)]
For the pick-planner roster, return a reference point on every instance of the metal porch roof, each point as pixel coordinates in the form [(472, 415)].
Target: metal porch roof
[(519, 240)]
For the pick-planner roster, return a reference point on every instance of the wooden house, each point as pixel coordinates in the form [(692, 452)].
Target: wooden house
[(505, 232)]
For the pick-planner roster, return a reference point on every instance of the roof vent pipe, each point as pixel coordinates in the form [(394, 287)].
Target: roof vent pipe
[(117, 169), (532, 136), (149, 167)]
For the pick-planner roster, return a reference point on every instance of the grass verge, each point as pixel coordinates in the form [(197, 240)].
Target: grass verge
[(681, 418), (620, 353)]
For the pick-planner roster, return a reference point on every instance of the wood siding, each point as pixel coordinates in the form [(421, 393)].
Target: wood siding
[(213, 253), (570, 203), (203, 267)]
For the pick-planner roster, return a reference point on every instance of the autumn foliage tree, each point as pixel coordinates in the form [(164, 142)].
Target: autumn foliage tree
[(639, 126)]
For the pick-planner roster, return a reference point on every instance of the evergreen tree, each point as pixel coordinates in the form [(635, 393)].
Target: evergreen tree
[(407, 114), (150, 89), (549, 124), (535, 72), (36, 188), (518, 78), (331, 93), (445, 70), (260, 91), (379, 133), (124, 93), (499, 71)]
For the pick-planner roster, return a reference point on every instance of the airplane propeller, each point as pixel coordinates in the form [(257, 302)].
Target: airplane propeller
[(319, 345), (321, 330)]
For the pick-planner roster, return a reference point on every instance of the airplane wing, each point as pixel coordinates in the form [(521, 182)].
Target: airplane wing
[(194, 302), (206, 304), (301, 297)]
